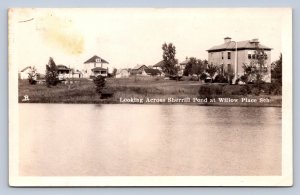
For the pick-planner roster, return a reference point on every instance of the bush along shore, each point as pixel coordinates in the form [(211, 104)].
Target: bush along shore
[(152, 90)]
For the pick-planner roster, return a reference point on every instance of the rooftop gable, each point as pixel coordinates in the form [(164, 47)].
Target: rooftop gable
[(62, 67), (185, 62), (159, 64), (139, 66), (94, 60)]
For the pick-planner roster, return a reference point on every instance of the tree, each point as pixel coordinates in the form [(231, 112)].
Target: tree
[(259, 61), (100, 84), (51, 73), (188, 67), (211, 70), (277, 70), (114, 73), (32, 75), (250, 73), (199, 67), (256, 69), (169, 61), (194, 66)]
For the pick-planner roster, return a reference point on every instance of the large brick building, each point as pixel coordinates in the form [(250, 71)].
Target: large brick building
[(232, 55)]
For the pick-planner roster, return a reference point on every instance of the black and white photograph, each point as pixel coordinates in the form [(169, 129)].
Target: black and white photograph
[(150, 96)]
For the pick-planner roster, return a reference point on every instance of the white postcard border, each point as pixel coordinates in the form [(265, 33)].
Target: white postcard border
[(287, 145)]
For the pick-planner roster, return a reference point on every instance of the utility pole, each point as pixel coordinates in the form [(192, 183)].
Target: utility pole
[(235, 64)]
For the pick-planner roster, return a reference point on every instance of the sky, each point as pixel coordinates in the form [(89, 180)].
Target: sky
[(127, 37)]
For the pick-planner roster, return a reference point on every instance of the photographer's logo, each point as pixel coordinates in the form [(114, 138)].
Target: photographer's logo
[(26, 98)]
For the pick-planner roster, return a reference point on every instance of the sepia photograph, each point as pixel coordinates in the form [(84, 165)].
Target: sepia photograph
[(150, 96)]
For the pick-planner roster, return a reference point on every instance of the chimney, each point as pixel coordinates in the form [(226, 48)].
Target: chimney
[(227, 39), (254, 41)]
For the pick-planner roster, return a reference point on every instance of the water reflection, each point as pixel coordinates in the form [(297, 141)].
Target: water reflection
[(78, 140)]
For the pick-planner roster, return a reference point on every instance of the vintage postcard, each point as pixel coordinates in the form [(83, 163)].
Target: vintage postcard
[(150, 97)]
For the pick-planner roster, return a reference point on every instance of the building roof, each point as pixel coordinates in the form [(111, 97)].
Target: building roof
[(139, 66), (159, 64), (98, 69), (25, 68), (76, 71), (62, 67), (240, 46), (93, 60), (185, 62), (152, 71)]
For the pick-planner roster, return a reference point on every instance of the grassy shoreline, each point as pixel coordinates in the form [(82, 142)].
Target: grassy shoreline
[(83, 91)]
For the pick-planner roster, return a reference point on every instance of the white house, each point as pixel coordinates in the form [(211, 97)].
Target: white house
[(92, 63), (76, 73), (122, 73), (23, 74), (139, 70), (63, 72)]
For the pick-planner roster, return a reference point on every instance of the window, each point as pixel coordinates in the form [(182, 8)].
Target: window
[(249, 56), (253, 56), (222, 56), (266, 56), (229, 55), (97, 59)]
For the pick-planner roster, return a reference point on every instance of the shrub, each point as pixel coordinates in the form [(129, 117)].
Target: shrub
[(203, 76), (244, 78), (276, 88), (32, 81), (194, 78), (212, 69), (220, 79), (255, 91), (236, 90), (271, 88), (240, 90), (210, 90), (205, 91), (100, 84)]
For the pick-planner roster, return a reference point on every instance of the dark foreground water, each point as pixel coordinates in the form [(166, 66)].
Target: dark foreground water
[(128, 140)]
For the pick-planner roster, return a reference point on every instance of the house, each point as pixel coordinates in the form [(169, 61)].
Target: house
[(92, 63), (23, 74), (63, 72), (233, 55), (152, 72), (182, 65), (139, 70), (76, 73), (122, 73), (159, 65)]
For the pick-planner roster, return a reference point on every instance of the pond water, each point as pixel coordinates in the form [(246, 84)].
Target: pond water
[(150, 140)]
